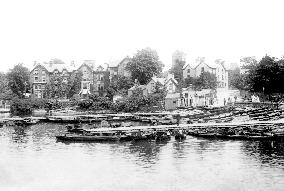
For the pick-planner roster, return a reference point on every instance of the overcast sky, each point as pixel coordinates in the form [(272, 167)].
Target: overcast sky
[(112, 29)]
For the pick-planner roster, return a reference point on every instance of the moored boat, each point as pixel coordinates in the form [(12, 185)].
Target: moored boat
[(89, 137)]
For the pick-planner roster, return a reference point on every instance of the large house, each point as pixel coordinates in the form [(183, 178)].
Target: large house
[(217, 68), (41, 74), (118, 68), (95, 80)]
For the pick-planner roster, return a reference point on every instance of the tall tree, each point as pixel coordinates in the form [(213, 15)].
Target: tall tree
[(236, 79), (119, 85), (5, 91), (18, 80), (74, 84), (206, 80), (144, 65)]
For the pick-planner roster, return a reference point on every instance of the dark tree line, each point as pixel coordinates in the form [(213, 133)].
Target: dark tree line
[(265, 76)]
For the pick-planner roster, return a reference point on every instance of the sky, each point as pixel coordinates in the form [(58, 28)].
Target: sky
[(37, 30)]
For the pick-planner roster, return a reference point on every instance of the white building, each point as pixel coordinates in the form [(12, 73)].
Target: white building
[(201, 65)]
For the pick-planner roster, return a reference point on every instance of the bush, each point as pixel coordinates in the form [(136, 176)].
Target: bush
[(26, 106), (21, 106)]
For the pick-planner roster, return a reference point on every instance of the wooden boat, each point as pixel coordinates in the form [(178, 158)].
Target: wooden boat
[(179, 134), (30, 120), (237, 137), (162, 135), (89, 137)]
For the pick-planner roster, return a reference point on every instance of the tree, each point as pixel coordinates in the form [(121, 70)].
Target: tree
[(206, 80), (119, 85), (144, 65), (189, 81), (54, 89), (236, 79), (74, 84), (5, 91), (265, 76), (18, 80)]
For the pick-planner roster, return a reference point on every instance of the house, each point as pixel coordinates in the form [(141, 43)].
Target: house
[(101, 81), (95, 80), (201, 65), (87, 77), (148, 88), (39, 77), (121, 68), (171, 84), (172, 101), (41, 74), (142, 88), (118, 68), (192, 98)]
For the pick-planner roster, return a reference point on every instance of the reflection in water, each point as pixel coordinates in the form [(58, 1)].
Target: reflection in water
[(32, 159), (20, 134), (271, 152)]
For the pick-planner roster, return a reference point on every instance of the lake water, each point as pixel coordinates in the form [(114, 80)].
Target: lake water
[(31, 159)]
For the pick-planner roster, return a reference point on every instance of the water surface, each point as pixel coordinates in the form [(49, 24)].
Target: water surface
[(31, 159)]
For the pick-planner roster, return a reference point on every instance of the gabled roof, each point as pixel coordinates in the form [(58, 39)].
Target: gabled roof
[(185, 66), (87, 65), (60, 67), (211, 63), (160, 80), (124, 59), (38, 65), (173, 80)]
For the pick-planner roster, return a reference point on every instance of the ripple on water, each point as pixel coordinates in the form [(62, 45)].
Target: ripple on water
[(32, 159)]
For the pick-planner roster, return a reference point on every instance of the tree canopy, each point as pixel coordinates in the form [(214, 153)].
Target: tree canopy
[(144, 65), (206, 80), (18, 80), (265, 76)]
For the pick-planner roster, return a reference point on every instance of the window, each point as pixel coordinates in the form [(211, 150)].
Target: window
[(222, 77), (36, 78), (85, 86), (43, 73), (188, 70), (36, 72), (188, 76), (35, 87), (39, 87), (102, 78), (43, 78), (171, 86)]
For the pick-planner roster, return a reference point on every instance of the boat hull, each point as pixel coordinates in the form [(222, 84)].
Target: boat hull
[(82, 138), (239, 137)]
